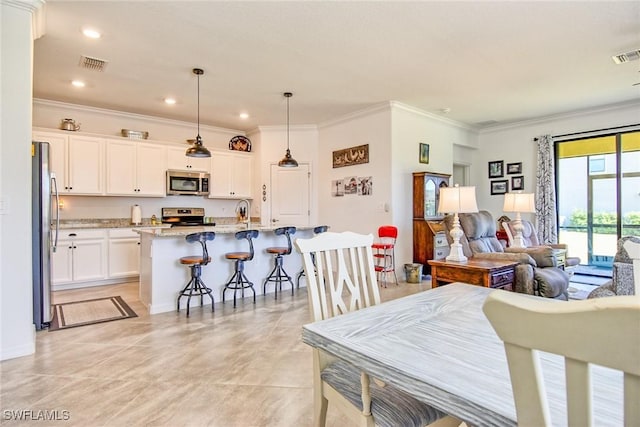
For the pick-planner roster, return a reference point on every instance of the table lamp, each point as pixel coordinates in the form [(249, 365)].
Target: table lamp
[(519, 202), (457, 200)]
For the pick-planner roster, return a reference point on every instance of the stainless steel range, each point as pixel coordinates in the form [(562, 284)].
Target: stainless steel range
[(181, 217)]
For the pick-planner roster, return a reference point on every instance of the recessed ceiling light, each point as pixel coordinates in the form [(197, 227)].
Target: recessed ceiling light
[(91, 33), (169, 101), (244, 116), (78, 83)]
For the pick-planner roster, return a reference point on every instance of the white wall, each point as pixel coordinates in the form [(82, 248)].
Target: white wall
[(17, 334), (361, 214), (514, 143), (410, 127), (272, 142)]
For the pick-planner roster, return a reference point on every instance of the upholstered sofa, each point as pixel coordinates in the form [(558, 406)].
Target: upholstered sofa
[(622, 282), (536, 272)]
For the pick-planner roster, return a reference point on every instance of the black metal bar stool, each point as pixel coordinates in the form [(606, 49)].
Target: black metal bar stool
[(239, 280), (278, 274), (317, 230), (195, 286)]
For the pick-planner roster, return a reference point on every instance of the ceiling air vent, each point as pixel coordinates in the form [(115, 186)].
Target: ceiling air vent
[(94, 64), (626, 57)]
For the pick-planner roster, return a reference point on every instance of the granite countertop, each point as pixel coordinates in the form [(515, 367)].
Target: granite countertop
[(220, 229), (106, 223)]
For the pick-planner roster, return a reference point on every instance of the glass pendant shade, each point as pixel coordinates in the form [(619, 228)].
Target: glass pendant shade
[(198, 149), (288, 161)]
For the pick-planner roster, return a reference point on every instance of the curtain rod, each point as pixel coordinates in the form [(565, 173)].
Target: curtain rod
[(591, 131)]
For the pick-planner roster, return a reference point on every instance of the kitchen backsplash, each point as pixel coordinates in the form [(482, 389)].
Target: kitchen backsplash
[(85, 207)]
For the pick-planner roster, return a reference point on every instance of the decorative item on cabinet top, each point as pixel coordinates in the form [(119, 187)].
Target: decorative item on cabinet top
[(134, 134), (240, 143), (69, 124)]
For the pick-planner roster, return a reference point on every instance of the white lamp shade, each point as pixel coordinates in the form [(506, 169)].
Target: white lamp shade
[(519, 202), (457, 200)]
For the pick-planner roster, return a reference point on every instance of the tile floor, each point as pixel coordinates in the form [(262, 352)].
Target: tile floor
[(235, 367)]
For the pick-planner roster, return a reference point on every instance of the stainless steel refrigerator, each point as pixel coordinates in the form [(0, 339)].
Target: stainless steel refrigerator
[(45, 224)]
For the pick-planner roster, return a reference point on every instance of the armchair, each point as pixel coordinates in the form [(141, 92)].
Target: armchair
[(530, 237), (535, 273), (622, 282)]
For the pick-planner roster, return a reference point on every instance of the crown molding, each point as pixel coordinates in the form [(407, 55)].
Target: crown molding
[(560, 116), (38, 15), (123, 114), (420, 112), (283, 128), (375, 108), (389, 106)]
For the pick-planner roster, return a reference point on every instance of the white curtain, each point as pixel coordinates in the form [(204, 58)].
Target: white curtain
[(546, 218)]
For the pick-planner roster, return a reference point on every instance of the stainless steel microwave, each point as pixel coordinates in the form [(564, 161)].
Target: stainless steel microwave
[(187, 183)]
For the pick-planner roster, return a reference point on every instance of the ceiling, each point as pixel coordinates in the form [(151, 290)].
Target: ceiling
[(485, 61)]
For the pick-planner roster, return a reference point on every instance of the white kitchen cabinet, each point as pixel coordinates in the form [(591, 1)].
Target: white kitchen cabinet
[(177, 159), (77, 161), (81, 256), (231, 175), (124, 253), (135, 168)]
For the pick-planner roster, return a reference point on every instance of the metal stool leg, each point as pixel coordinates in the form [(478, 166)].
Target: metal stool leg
[(277, 275), (238, 281), (195, 287)]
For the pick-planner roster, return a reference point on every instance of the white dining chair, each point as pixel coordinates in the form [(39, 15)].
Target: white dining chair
[(341, 280), (602, 331)]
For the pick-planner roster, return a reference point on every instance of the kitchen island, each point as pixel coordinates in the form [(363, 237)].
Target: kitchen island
[(162, 276)]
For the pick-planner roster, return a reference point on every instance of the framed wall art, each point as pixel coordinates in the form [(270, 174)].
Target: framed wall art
[(514, 168), (499, 187), (424, 153), (496, 169), (351, 156), (517, 183)]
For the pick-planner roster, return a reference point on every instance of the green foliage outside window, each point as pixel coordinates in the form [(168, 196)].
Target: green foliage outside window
[(604, 222)]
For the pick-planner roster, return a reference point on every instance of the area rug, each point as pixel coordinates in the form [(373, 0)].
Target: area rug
[(89, 312)]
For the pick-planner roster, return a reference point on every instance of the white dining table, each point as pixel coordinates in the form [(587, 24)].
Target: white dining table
[(439, 347)]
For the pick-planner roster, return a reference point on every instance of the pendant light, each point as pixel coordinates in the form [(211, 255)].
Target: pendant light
[(197, 149), (288, 161)]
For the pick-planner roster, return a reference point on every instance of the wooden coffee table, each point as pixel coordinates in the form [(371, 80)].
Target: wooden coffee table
[(481, 272)]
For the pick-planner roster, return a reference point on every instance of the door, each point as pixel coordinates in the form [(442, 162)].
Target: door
[(121, 167), (61, 263), (124, 257), (86, 163), (89, 258), (151, 170), (220, 175), (598, 181), (290, 201)]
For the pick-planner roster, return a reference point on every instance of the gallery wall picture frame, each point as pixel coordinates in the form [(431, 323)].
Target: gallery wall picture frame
[(424, 153), (517, 182), (351, 156), (499, 187), (514, 168), (496, 169)]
